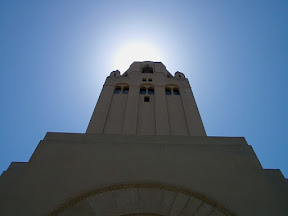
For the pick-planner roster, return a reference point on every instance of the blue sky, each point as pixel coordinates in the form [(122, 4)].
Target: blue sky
[(55, 56)]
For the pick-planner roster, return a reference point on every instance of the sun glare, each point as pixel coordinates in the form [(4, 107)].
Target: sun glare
[(138, 51)]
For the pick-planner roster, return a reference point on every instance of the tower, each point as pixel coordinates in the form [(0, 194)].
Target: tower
[(145, 152), (146, 100)]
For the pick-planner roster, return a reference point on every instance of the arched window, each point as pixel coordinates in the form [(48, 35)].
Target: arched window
[(151, 91), (168, 91), (176, 91), (147, 69), (117, 90), (125, 90), (143, 90)]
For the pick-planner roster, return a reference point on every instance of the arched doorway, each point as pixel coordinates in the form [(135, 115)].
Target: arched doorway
[(141, 200)]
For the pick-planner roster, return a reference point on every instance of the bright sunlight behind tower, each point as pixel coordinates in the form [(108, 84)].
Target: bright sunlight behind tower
[(55, 56), (137, 51)]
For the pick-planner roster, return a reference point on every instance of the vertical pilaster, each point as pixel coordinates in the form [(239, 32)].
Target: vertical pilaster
[(192, 114), (161, 113), (130, 120), (98, 119)]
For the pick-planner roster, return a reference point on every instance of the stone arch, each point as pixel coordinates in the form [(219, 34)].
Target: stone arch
[(122, 84), (171, 88), (141, 200), (117, 90), (122, 87), (147, 69), (147, 85)]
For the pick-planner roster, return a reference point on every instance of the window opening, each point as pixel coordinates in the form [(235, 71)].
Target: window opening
[(143, 91), (147, 69), (144, 79), (150, 79), (176, 92), (151, 91), (117, 90), (146, 99), (126, 90), (167, 91)]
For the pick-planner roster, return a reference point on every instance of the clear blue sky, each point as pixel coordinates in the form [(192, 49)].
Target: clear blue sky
[(55, 56)]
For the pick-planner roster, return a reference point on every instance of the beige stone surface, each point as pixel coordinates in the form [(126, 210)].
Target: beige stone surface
[(162, 115), (143, 158), (141, 200), (222, 169)]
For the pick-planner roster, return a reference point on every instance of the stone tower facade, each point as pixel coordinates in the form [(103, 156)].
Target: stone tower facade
[(146, 100), (145, 153)]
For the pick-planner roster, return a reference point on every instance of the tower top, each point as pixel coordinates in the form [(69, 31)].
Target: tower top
[(147, 67), (146, 100)]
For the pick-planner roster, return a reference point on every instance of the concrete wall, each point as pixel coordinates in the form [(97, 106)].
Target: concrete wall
[(116, 114), (65, 166), (146, 115), (176, 115)]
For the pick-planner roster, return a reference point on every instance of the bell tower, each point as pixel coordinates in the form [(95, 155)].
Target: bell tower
[(146, 100), (145, 152)]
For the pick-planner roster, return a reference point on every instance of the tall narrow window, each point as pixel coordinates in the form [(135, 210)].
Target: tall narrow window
[(146, 99), (125, 90), (151, 91), (168, 91), (176, 92), (143, 91), (117, 90)]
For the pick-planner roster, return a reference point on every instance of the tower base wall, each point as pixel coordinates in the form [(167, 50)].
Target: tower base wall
[(64, 166)]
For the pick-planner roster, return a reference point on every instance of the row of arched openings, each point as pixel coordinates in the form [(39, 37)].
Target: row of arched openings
[(149, 90), (170, 91), (123, 90), (144, 90)]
